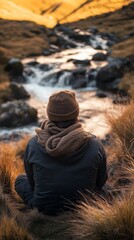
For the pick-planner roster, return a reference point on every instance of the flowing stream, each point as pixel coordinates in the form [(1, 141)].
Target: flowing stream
[(46, 75)]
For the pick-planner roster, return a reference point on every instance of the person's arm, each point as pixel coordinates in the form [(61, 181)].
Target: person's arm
[(28, 167), (102, 170)]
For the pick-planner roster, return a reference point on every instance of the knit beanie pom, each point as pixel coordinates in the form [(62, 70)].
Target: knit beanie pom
[(62, 106)]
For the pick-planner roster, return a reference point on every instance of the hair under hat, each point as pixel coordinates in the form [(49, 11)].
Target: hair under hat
[(62, 106)]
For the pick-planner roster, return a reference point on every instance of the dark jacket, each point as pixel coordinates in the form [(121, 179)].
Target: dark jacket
[(57, 181)]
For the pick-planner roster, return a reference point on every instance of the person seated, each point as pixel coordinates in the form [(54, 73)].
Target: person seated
[(63, 161)]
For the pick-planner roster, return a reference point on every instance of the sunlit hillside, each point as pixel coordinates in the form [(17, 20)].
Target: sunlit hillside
[(50, 12)]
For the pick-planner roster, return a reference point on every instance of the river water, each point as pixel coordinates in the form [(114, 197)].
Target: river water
[(42, 82)]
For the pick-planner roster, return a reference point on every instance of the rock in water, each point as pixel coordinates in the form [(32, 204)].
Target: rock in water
[(16, 114), (85, 62), (14, 66), (99, 57), (15, 70), (19, 91), (78, 79), (107, 76)]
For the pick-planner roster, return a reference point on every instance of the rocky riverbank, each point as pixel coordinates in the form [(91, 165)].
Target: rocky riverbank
[(63, 62)]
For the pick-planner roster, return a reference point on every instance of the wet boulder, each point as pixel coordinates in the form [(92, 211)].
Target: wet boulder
[(44, 67), (19, 91), (101, 94), (32, 63), (93, 30), (16, 114), (110, 86), (15, 69), (64, 29), (78, 79), (109, 76), (84, 62), (14, 66), (84, 38), (99, 57), (92, 75)]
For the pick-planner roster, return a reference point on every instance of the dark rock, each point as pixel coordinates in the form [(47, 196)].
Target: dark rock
[(85, 62), (109, 76), (110, 37), (92, 75), (16, 114), (18, 79), (46, 52), (80, 72), (101, 94), (93, 30), (78, 79), (15, 70), (32, 63), (99, 57), (84, 38), (98, 47), (44, 67), (79, 83), (19, 91), (65, 44), (28, 72), (110, 43), (64, 29), (14, 66), (111, 86)]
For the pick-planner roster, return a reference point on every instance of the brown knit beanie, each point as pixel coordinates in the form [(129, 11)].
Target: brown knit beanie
[(62, 106)]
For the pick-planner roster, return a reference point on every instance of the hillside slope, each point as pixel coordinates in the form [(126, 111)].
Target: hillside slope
[(50, 12)]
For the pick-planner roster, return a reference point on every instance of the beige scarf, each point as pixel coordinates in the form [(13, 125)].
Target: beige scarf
[(61, 141)]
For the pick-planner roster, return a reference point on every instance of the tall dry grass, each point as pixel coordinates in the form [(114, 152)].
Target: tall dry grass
[(10, 230), (10, 167), (121, 149), (122, 128), (104, 221)]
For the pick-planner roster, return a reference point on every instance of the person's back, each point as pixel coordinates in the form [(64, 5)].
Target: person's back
[(62, 161)]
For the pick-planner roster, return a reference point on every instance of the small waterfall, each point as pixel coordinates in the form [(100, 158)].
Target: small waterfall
[(64, 79)]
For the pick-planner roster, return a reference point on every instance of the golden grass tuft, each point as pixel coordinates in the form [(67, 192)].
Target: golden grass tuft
[(10, 167), (121, 149), (4, 206), (104, 221), (10, 230), (122, 128)]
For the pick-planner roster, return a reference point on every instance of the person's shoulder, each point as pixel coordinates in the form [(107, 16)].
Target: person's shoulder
[(32, 142), (95, 144), (94, 140)]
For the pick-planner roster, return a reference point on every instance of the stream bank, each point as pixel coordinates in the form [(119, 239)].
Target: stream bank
[(83, 63)]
